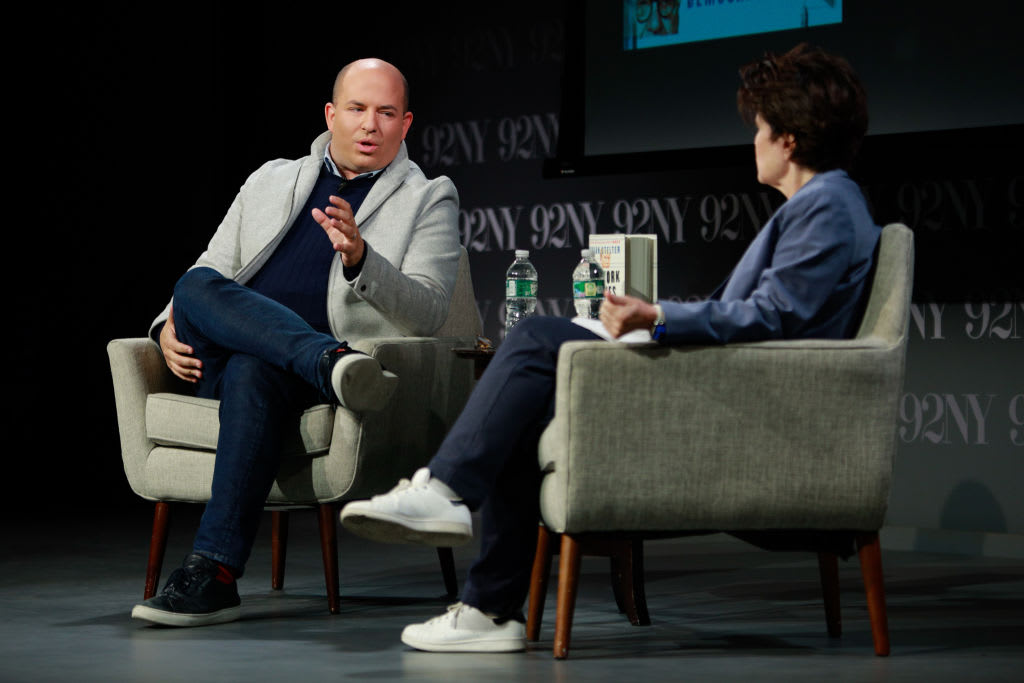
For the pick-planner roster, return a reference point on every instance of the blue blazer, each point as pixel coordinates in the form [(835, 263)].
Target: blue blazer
[(804, 275)]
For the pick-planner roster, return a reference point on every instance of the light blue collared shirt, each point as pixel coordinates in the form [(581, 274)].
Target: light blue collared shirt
[(333, 168)]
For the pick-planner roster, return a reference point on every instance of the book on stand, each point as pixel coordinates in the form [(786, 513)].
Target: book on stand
[(630, 264)]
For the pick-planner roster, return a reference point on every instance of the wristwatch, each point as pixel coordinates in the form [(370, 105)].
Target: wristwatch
[(658, 328)]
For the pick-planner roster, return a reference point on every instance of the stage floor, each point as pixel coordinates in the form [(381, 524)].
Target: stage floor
[(721, 610)]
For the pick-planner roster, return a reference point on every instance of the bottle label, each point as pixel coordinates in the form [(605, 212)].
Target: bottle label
[(520, 288), (587, 289)]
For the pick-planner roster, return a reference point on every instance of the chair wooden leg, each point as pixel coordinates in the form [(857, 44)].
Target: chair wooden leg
[(447, 559), (627, 567), (568, 585), (870, 554), (278, 547), (157, 546), (828, 569), (539, 583), (626, 562), (619, 568), (329, 548)]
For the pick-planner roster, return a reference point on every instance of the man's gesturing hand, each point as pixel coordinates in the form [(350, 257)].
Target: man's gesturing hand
[(339, 223), (178, 356), (622, 314)]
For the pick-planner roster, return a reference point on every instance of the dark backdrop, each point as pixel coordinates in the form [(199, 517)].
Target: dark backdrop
[(138, 126)]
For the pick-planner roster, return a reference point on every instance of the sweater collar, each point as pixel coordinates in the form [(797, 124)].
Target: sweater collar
[(333, 168)]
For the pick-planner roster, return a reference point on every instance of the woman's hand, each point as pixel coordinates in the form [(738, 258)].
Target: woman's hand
[(623, 314)]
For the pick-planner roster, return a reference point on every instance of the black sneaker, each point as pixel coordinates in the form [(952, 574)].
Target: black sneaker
[(199, 593)]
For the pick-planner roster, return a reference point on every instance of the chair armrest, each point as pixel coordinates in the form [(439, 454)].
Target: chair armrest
[(798, 433), (433, 386), (426, 363), (137, 368)]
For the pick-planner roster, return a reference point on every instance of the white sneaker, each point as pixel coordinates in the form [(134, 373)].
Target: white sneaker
[(465, 629), (412, 512), (360, 383)]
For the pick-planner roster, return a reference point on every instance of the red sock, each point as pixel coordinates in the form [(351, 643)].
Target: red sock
[(224, 574)]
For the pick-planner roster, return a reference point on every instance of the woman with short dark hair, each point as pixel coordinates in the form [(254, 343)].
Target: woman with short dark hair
[(813, 96), (804, 275)]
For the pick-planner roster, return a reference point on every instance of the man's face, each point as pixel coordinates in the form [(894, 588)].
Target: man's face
[(367, 119)]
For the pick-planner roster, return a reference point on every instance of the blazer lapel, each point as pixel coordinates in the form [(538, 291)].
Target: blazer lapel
[(307, 177)]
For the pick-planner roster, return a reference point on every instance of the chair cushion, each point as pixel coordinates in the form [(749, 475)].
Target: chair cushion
[(184, 421)]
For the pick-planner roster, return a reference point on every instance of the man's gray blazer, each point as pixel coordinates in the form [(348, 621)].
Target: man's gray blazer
[(409, 224)]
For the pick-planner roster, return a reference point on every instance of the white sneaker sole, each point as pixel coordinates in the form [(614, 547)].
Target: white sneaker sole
[(469, 644), (361, 384), (156, 616), (387, 528)]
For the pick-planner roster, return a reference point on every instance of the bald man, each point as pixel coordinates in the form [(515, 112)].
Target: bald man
[(352, 241)]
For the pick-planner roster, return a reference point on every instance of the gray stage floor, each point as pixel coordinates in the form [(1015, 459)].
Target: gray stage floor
[(721, 610)]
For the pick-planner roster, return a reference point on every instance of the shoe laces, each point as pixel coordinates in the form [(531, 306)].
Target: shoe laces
[(451, 614), (182, 579), (190, 574), (399, 487), (418, 480)]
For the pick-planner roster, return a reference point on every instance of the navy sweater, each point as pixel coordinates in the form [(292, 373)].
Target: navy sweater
[(296, 273)]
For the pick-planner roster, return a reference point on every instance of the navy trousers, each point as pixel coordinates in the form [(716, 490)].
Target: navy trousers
[(490, 458), (261, 360)]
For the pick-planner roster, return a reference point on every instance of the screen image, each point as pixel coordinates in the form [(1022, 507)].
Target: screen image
[(655, 23), (927, 65)]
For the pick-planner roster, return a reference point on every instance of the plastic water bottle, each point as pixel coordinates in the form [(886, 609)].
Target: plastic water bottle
[(520, 289), (587, 285)]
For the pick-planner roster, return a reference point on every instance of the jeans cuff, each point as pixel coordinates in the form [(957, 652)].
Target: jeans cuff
[(224, 560)]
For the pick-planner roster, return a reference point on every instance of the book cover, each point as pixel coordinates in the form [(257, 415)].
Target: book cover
[(630, 263)]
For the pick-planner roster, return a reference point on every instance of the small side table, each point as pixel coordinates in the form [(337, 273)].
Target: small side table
[(481, 357)]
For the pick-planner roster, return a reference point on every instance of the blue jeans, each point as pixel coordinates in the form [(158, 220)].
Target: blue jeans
[(262, 361), (490, 458)]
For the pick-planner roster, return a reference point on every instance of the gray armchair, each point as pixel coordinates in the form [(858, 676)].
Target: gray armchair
[(168, 437), (766, 440)]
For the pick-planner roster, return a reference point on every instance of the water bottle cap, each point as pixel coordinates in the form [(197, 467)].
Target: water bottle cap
[(522, 253), (586, 253)]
